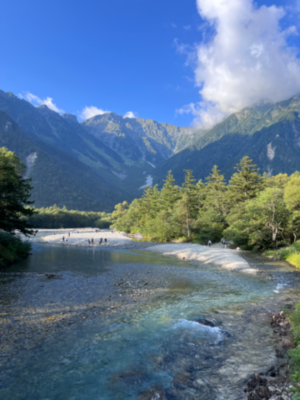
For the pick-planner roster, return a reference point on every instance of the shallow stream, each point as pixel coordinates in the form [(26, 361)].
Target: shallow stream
[(121, 325)]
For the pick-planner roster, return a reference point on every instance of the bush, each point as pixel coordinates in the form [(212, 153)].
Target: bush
[(12, 249)]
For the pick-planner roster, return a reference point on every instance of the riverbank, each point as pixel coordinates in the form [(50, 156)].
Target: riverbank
[(275, 383), (225, 258), (81, 237), (290, 254), (215, 255)]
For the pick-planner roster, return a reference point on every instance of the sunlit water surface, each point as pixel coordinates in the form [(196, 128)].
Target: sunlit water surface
[(153, 350)]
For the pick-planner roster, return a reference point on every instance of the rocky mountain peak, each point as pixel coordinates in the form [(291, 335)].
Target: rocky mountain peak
[(70, 117)]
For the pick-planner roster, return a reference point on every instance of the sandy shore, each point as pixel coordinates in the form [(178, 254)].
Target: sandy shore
[(225, 258)]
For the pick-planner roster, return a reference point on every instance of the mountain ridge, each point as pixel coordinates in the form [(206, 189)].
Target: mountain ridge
[(94, 164)]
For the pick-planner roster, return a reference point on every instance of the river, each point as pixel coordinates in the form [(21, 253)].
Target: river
[(120, 324)]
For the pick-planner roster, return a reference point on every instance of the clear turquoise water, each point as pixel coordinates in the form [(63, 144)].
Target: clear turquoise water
[(152, 350)]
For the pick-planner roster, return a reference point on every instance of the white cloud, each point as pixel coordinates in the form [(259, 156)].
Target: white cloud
[(248, 59), (131, 114), (206, 115), (35, 100), (92, 111)]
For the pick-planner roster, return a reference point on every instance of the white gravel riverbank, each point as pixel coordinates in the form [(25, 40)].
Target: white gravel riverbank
[(80, 237), (225, 258), (216, 255)]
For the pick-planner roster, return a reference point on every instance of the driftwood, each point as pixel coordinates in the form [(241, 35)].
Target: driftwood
[(49, 276)]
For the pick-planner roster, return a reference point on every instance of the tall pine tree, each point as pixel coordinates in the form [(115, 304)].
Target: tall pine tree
[(246, 182)]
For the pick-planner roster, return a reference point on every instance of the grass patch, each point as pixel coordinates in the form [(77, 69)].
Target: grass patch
[(291, 254)]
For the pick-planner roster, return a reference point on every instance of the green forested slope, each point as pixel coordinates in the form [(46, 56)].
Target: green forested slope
[(57, 178), (269, 134)]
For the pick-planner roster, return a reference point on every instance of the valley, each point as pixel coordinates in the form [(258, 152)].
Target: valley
[(107, 159)]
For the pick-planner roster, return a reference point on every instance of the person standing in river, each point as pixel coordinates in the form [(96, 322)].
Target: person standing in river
[(209, 243)]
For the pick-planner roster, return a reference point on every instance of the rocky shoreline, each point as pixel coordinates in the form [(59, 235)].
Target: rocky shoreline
[(274, 384)]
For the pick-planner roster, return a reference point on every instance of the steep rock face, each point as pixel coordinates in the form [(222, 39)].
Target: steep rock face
[(136, 138)]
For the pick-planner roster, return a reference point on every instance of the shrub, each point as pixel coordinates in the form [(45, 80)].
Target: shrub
[(12, 249)]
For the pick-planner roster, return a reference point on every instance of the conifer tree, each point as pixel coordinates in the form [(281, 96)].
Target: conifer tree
[(212, 215), (190, 190), (216, 192), (246, 182), (169, 193)]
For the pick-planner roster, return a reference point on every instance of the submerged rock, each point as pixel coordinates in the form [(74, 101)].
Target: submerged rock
[(205, 322)]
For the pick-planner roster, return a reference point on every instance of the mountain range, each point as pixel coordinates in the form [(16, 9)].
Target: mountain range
[(90, 165), (97, 163), (267, 133)]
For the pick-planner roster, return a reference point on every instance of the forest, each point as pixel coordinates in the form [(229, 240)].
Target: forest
[(56, 218), (253, 211)]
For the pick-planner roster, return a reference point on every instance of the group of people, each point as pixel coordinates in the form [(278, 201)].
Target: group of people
[(91, 242), (63, 238), (223, 241)]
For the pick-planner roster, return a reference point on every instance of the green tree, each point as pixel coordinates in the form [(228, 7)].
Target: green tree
[(120, 210), (189, 201), (14, 195), (169, 193), (292, 201), (212, 215), (246, 182), (183, 215), (264, 219)]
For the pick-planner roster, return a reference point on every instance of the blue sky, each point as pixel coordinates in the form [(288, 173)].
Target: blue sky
[(142, 56)]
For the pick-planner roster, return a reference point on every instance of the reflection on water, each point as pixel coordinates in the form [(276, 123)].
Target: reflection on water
[(61, 339)]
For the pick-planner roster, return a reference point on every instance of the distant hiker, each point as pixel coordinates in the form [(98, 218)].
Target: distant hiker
[(209, 243), (100, 241), (68, 234), (92, 241), (89, 241), (63, 238), (205, 242), (105, 240)]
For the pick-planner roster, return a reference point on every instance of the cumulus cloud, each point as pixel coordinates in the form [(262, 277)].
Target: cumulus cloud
[(89, 112), (131, 114), (247, 59), (37, 101), (206, 115)]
